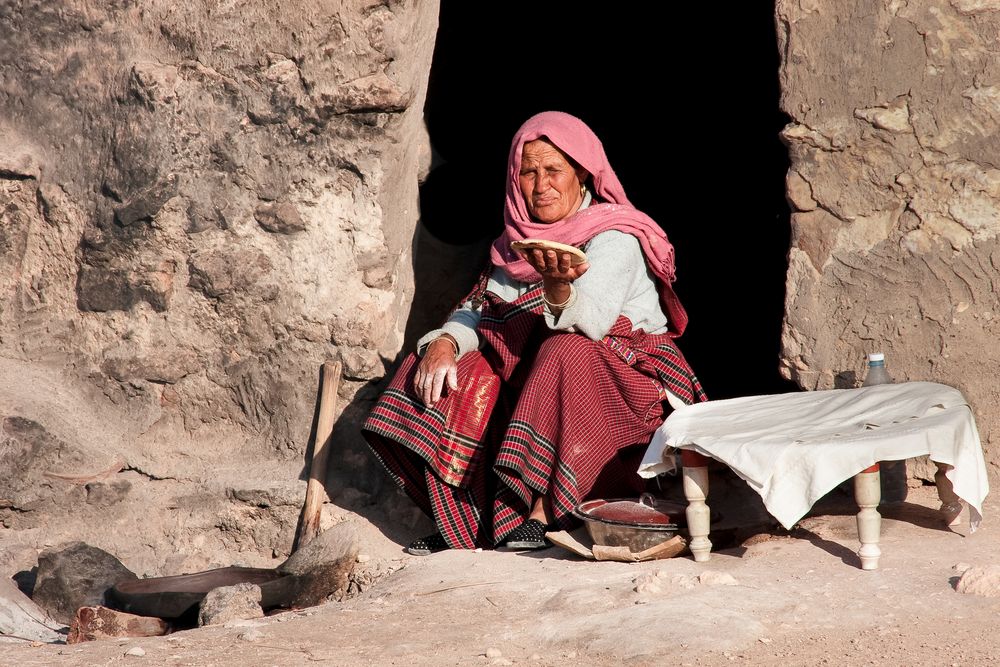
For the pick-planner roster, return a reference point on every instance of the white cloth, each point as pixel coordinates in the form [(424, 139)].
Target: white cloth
[(794, 448)]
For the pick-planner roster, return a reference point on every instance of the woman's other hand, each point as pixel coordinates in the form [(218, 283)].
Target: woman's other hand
[(437, 367), (557, 272)]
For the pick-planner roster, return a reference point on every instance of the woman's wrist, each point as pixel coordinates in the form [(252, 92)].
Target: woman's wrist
[(558, 296), (448, 339)]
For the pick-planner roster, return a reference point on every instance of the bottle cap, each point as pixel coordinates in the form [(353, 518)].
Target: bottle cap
[(876, 356)]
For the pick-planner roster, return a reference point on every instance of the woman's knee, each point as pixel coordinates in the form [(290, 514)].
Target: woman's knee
[(566, 348)]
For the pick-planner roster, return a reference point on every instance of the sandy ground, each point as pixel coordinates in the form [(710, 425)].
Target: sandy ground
[(795, 598)]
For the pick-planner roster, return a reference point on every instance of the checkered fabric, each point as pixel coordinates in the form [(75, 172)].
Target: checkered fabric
[(566, 408)]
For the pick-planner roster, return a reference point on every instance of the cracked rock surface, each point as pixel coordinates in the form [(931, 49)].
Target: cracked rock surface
[(200, 203)]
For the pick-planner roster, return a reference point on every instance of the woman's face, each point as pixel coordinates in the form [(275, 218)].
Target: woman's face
[(549, 183)]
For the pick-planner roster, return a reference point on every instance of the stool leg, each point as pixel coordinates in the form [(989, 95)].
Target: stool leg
[(695, 478), (867, 493), (951, 504)]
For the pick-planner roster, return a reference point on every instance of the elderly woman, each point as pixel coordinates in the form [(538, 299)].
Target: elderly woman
[(521, 404)]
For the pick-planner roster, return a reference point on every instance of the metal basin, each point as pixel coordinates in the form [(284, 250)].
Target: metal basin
[(624, 522)]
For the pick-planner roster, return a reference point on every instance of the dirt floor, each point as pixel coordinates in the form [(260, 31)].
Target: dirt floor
[(794, 597)]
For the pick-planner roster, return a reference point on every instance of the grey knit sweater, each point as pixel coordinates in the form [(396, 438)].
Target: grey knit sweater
[(618, 282)]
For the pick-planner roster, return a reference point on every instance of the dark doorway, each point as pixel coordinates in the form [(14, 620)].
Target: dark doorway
[(687, 107)]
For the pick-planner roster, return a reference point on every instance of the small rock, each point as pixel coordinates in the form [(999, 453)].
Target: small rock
[(983, 581), (228, 603), (136, 652), (75, 575), (683, 581), (250, 635), (280, 218), (144, 205), (103, 494), (768, 640), (534, 656), (364, 558), (714, 578), (20, 616), (492, 652), (98, 622), (649, 583)]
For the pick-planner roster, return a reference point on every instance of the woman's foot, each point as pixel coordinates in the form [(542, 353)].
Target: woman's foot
[(529, 535), (426, 546)]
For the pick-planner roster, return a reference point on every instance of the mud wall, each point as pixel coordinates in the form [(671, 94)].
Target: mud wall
[(894, 185)]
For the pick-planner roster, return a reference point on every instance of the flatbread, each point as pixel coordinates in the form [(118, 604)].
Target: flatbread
[(577, 256)]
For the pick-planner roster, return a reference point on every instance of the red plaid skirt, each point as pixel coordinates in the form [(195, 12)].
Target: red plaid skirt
[(537, 413)]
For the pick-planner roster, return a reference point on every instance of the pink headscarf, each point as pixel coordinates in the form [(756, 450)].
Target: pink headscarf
[(572, 136)]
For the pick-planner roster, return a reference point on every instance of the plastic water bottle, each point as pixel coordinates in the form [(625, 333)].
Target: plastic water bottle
[(877, 374), (893, 475)]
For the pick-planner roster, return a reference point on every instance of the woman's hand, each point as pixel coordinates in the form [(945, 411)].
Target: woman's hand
[(437, 367), (557, 272)]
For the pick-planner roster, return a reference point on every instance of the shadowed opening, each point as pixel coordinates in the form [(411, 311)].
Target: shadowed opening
[(691, 131)]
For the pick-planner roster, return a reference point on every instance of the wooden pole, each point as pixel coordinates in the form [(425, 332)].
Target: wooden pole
[(316, 488)]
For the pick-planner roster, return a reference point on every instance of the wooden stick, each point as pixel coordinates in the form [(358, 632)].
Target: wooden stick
[(316, 489)]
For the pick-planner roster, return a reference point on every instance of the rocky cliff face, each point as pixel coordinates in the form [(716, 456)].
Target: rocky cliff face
[(895, 191), (199, 204)]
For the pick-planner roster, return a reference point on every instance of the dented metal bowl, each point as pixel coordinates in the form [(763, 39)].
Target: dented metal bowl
[(638, 525)]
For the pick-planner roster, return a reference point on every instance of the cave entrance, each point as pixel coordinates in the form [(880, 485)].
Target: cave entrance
[(687, 109)]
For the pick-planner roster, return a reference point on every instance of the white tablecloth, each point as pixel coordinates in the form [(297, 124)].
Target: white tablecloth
[(795, 448)]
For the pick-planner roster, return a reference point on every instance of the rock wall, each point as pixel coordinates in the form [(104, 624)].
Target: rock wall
[(200, 202), (895, 192)]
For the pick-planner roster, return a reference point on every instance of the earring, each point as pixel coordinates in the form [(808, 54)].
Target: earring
[(583, 189)]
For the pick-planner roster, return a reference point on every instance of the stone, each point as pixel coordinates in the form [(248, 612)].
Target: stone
[(493, 652), (221, 273), (280, 218), (251, 635), (145, 204), (21, 617), (136, 652), (104, 493), (102, 288), (984, 581), (18, 161), (648, 583), (228, 603), (75, 575), (153, 84), (92, 623), (714, 578), (324, 565)]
